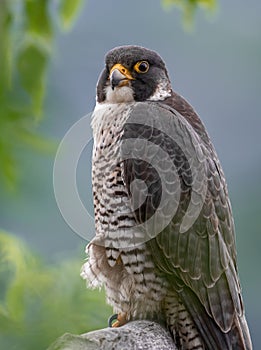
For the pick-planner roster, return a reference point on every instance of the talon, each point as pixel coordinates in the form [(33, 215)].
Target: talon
[(116, 324), (117, 320)]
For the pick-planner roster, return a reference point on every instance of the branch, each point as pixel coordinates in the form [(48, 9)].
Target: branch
[(134, 335)]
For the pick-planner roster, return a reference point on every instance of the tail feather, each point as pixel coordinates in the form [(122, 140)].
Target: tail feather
[(239, 334), (237, 338)]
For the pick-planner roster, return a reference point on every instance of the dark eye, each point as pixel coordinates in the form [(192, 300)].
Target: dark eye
[(142, 67)]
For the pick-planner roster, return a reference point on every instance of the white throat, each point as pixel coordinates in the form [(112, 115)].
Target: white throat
[(119, 94)]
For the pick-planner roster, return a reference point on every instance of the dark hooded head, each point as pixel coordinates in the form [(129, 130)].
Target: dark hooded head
[(133, 73)]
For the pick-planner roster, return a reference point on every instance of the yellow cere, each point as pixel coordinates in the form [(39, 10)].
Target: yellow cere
[(123, 70)]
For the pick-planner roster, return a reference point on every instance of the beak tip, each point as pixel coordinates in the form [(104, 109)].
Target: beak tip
[(117, 78)]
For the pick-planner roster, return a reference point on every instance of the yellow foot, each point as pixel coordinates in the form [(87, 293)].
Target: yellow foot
[(117, 320)]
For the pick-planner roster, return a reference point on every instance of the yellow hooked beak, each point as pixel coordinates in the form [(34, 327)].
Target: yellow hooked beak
[(119, 76)]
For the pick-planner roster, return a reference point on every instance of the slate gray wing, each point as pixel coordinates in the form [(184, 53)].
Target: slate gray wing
[(196, 246)]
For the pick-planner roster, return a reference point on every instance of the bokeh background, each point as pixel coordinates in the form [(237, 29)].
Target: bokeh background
[(215, 63)]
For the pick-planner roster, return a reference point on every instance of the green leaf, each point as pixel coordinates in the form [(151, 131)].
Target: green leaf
[(189, 7), (9, 169), (5, 47), (32, 63), (37, 18), (38, 142), (69, 10)]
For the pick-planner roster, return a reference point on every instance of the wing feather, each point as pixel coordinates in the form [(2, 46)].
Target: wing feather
[(200, 261)]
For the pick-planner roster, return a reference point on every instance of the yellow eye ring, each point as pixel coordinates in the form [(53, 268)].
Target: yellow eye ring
[(142, 67)]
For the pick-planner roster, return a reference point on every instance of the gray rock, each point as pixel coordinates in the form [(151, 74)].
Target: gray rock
[(136, 335)]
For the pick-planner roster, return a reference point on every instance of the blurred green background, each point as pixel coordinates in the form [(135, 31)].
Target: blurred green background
[(51, 53)]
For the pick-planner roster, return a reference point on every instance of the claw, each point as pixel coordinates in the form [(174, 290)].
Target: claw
[(117, 320)]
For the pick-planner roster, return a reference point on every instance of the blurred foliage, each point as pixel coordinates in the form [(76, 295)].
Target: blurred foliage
[(26, 39), (69, 9), (189, 7), (39, 302)]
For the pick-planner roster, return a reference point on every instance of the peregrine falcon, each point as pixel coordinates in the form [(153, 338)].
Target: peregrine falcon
[(164, 248)]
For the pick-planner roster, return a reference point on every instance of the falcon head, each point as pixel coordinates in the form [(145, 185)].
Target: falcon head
[(133, 73)]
